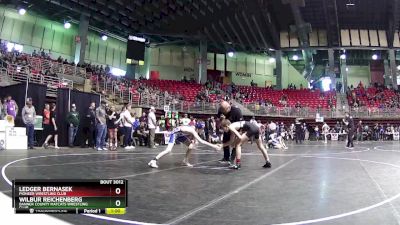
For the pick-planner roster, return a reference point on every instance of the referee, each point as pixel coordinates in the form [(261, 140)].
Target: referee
[(348, 120), (233, 114)]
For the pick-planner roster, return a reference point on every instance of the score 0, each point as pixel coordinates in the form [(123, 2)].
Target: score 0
[(117, 192)]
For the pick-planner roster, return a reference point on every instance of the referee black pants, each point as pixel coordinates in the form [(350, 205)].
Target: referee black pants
[(299, 137), (350, 137)]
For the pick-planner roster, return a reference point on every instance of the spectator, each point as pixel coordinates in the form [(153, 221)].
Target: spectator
[(89, 123), (112, 117), (101, 127), (210, 128), (359, 131), (11, 107), (143, 118), (127, 120), (142, 134), (29, 117), (185, 120), (161, 123), (152, 123), (54, 128), (46, 122), (2, 110), (73, 120)]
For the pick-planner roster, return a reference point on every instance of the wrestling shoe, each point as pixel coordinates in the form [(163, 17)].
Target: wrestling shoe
[(267, 164), (234, 166), (153, 164), (186, 163), (45, 146)]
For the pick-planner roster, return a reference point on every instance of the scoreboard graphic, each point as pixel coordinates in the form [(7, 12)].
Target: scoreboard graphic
[(107, 196)]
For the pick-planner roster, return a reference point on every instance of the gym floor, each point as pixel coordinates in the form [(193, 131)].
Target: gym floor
[(309, 183)]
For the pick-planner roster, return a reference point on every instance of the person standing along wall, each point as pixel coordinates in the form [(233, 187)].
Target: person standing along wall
[(152, 124), (89, 124), (53, 129), (2, 110), (101, 127), (11, 107), (46, 122), (73, 120), (127, 121), (29, 117)]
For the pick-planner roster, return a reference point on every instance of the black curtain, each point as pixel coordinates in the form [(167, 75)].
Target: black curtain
[(82, 101), (35, 91)]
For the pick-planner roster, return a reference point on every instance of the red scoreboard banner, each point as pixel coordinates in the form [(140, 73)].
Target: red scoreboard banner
[(106, 196)]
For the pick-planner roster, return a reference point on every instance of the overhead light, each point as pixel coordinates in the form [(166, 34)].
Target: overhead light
[(229, 42), (398, 67), (350, 3), (22, 11), (295, 57), (135, 38), (10, 46), (117, 72), (343, 56), (67, 25), (326, 83), (272, 60), (18, 48), (104, 37), (230, 54), (374, 56), (271, 49)]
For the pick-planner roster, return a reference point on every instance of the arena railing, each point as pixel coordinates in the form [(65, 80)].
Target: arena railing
[(22, 74), (3, 75), (304, 112), (160, 102), (121, 94), (308, 112), (56, 67)]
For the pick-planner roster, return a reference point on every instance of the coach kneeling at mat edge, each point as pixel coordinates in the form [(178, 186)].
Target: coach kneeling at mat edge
[(233, 114)]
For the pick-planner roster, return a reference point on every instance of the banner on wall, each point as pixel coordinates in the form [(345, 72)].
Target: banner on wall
[(268, 83), (240, 74)]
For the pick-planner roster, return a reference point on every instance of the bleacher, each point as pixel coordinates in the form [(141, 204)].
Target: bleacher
[(361, 94), (188, 90), (309, 98)]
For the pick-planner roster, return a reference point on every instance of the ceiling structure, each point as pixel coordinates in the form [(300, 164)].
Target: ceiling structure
[(227, 25)]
